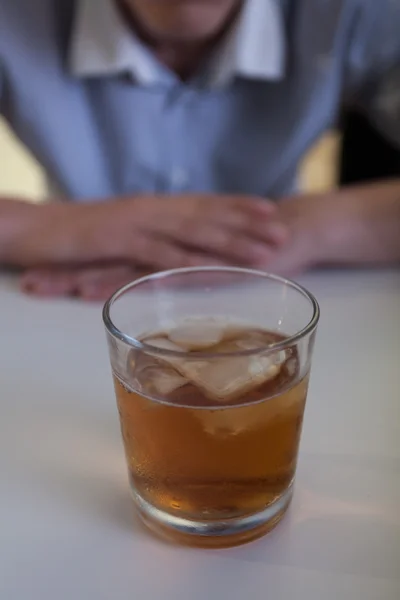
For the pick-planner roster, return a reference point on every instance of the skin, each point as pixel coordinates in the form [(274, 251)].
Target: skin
[(352, 227), (187, 22), (90, 250), (143, 233), (181, 33)]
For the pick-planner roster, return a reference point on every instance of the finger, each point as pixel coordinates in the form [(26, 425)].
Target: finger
[(287, 263), (88, 283), (223, 243), (167, 253), (243, 239), (228, 211), (274, 233), (101, 283), (264, 227), (254, 205), (48, 283), (217, 231)]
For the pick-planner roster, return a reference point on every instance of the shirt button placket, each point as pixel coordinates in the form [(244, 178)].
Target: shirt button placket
[(177, 176)]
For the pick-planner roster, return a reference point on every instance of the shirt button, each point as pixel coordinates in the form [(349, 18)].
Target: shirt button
[(179, 177)]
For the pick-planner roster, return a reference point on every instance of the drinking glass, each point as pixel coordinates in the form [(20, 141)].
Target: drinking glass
[(211, 369)]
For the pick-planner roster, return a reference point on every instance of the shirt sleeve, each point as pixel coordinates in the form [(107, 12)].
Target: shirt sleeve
[(374, 64)]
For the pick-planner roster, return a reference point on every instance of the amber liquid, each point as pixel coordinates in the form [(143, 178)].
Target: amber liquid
[(197, 459)]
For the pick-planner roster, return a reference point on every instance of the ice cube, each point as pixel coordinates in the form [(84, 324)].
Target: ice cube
[(258, 340), (197, 335), (223, 423), (131, 362), (163, 344), (291, 366), (153, 374), (234, 420), (156, 373), (279, 358), (161, 380), (229, 378), (228, 422), (138, 360)]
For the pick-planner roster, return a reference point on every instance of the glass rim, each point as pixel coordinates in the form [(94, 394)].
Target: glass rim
[(133, 342)]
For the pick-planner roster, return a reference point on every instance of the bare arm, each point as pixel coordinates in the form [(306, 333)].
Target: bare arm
[(21, 223), (352, 226), (369, 233), (18, 219), (148, 231)]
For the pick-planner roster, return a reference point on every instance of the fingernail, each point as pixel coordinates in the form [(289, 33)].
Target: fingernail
[(266, 207), (88, 291), (27, 287), (44, 289), (278, 232), (260, 252), (92, 293)]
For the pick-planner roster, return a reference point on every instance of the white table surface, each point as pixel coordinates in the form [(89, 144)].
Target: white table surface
[(67, 527)]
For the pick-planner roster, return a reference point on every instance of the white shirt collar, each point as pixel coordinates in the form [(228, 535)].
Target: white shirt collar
[(103, 45)]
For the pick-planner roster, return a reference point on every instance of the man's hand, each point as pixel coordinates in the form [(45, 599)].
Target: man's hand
[(348, 227), (87, 283), (150, 232), (353, 226)]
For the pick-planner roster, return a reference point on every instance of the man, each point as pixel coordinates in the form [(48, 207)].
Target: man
[(170, 127)]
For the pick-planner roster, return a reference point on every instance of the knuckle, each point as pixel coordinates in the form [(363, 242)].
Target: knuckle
[(224, 239), (191, 229), (200, 260), (212, 236), (141, 246), (168, 256)]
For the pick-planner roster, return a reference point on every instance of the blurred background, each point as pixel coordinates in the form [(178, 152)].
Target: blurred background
[(20, 175)]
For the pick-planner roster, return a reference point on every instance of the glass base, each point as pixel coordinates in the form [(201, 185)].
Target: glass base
[(213, 534)]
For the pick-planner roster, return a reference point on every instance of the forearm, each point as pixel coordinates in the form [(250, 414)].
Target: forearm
[(351, 226), (25, 229), (364, 226)]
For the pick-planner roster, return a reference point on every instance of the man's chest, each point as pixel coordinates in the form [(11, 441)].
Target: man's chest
[(109, 137)]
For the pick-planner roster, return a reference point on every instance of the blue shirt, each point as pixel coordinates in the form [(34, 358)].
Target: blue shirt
[(104, 118)]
